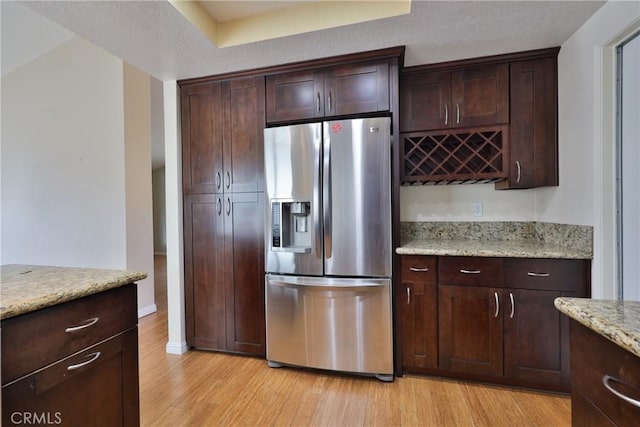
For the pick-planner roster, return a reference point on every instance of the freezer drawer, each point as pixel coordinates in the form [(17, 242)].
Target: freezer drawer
[(328, 323)]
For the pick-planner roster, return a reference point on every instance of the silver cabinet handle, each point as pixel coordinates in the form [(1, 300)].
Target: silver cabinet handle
[(219, 203), (227, 180), (446, 114), (470, 271), (605, 381), (93, 358), (228, 205), (419, 270), (531, 273), (318, 102), (457, 113), (495, 295), (218, 180), (408, 295), (518, 171), (330, 103), (513, 306), (90, 322)]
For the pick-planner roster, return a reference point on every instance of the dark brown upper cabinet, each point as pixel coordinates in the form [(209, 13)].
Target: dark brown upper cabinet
[(447, 109), (222, 142), (432, 100), (348, 89), (533, 141)]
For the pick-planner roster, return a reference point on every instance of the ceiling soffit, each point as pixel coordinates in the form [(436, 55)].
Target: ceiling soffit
[(285, 18)]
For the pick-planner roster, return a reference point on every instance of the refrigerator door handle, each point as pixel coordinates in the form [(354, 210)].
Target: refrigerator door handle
[(326, 188)]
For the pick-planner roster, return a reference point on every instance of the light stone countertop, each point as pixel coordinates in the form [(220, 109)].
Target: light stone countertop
[(618, 321), (491, 248), (26, 288)]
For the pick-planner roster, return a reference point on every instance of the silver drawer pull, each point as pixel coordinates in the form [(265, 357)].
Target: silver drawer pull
[(495, 294), (93, 358), (90, 322), (605, 381), (419, 270), (470, 271), (538, 274)]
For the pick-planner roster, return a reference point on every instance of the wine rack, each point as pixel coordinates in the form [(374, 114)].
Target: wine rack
[(455, 157)]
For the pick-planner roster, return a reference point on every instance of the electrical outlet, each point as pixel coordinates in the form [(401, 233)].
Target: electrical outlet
[(477, 209)]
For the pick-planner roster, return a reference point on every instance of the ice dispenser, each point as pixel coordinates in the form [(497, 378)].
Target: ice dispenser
[(290, 228)]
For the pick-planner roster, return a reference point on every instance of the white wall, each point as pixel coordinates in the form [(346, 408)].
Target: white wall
[(586, 83), (63, 177), (455, 203), (139, 204)]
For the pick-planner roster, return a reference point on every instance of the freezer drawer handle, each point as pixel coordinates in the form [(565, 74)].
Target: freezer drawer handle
[(419, 270), (470, 271), (281, 282), (605, 381), (538, 274)]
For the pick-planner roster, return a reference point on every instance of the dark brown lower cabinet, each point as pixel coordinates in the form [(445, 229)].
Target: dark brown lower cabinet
[(224, 275), (489, 319), (470, 330), (536, 339), (93, 387), (73, 364), (595, 361), (418, 303)]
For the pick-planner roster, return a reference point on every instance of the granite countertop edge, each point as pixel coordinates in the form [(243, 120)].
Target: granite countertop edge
[(618, 321), (25, 288), (490, 248)]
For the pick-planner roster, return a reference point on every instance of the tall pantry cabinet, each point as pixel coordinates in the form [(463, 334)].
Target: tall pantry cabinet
[(223, 190)]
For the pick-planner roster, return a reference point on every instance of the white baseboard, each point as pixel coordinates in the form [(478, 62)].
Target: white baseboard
[(177, 348), (145, 311)]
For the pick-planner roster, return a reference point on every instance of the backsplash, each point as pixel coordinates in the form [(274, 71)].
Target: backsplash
[(565, 235)]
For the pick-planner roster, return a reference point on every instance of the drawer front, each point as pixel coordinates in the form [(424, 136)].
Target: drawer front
[(547, 274), (593, 357), (471, 271), (419, 268), (37, 339)]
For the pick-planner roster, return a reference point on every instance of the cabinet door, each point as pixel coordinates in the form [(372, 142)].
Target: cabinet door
[(244, 121), (97, 386), (202, 115), (480, 96), (419, 310), (534, 124), (425, 101), (356, 88), (244, 274), (204, 271), (295, 96), (470, 330), (535, 338)]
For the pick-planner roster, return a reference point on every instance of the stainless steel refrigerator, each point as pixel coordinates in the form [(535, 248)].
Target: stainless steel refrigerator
[(328, 246)]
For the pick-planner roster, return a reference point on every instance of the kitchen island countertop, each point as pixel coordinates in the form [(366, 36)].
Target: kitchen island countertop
[(618, 321), (26, 288), (491, 248)]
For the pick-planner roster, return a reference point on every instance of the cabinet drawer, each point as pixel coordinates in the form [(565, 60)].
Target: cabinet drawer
[(593, 357), (419, 268), (471, 271), (37, 339), (547, 274)]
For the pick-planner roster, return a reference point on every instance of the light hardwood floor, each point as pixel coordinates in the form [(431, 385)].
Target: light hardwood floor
[(212, 389)]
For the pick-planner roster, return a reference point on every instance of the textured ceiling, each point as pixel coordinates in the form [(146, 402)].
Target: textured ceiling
[(155, 37)]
